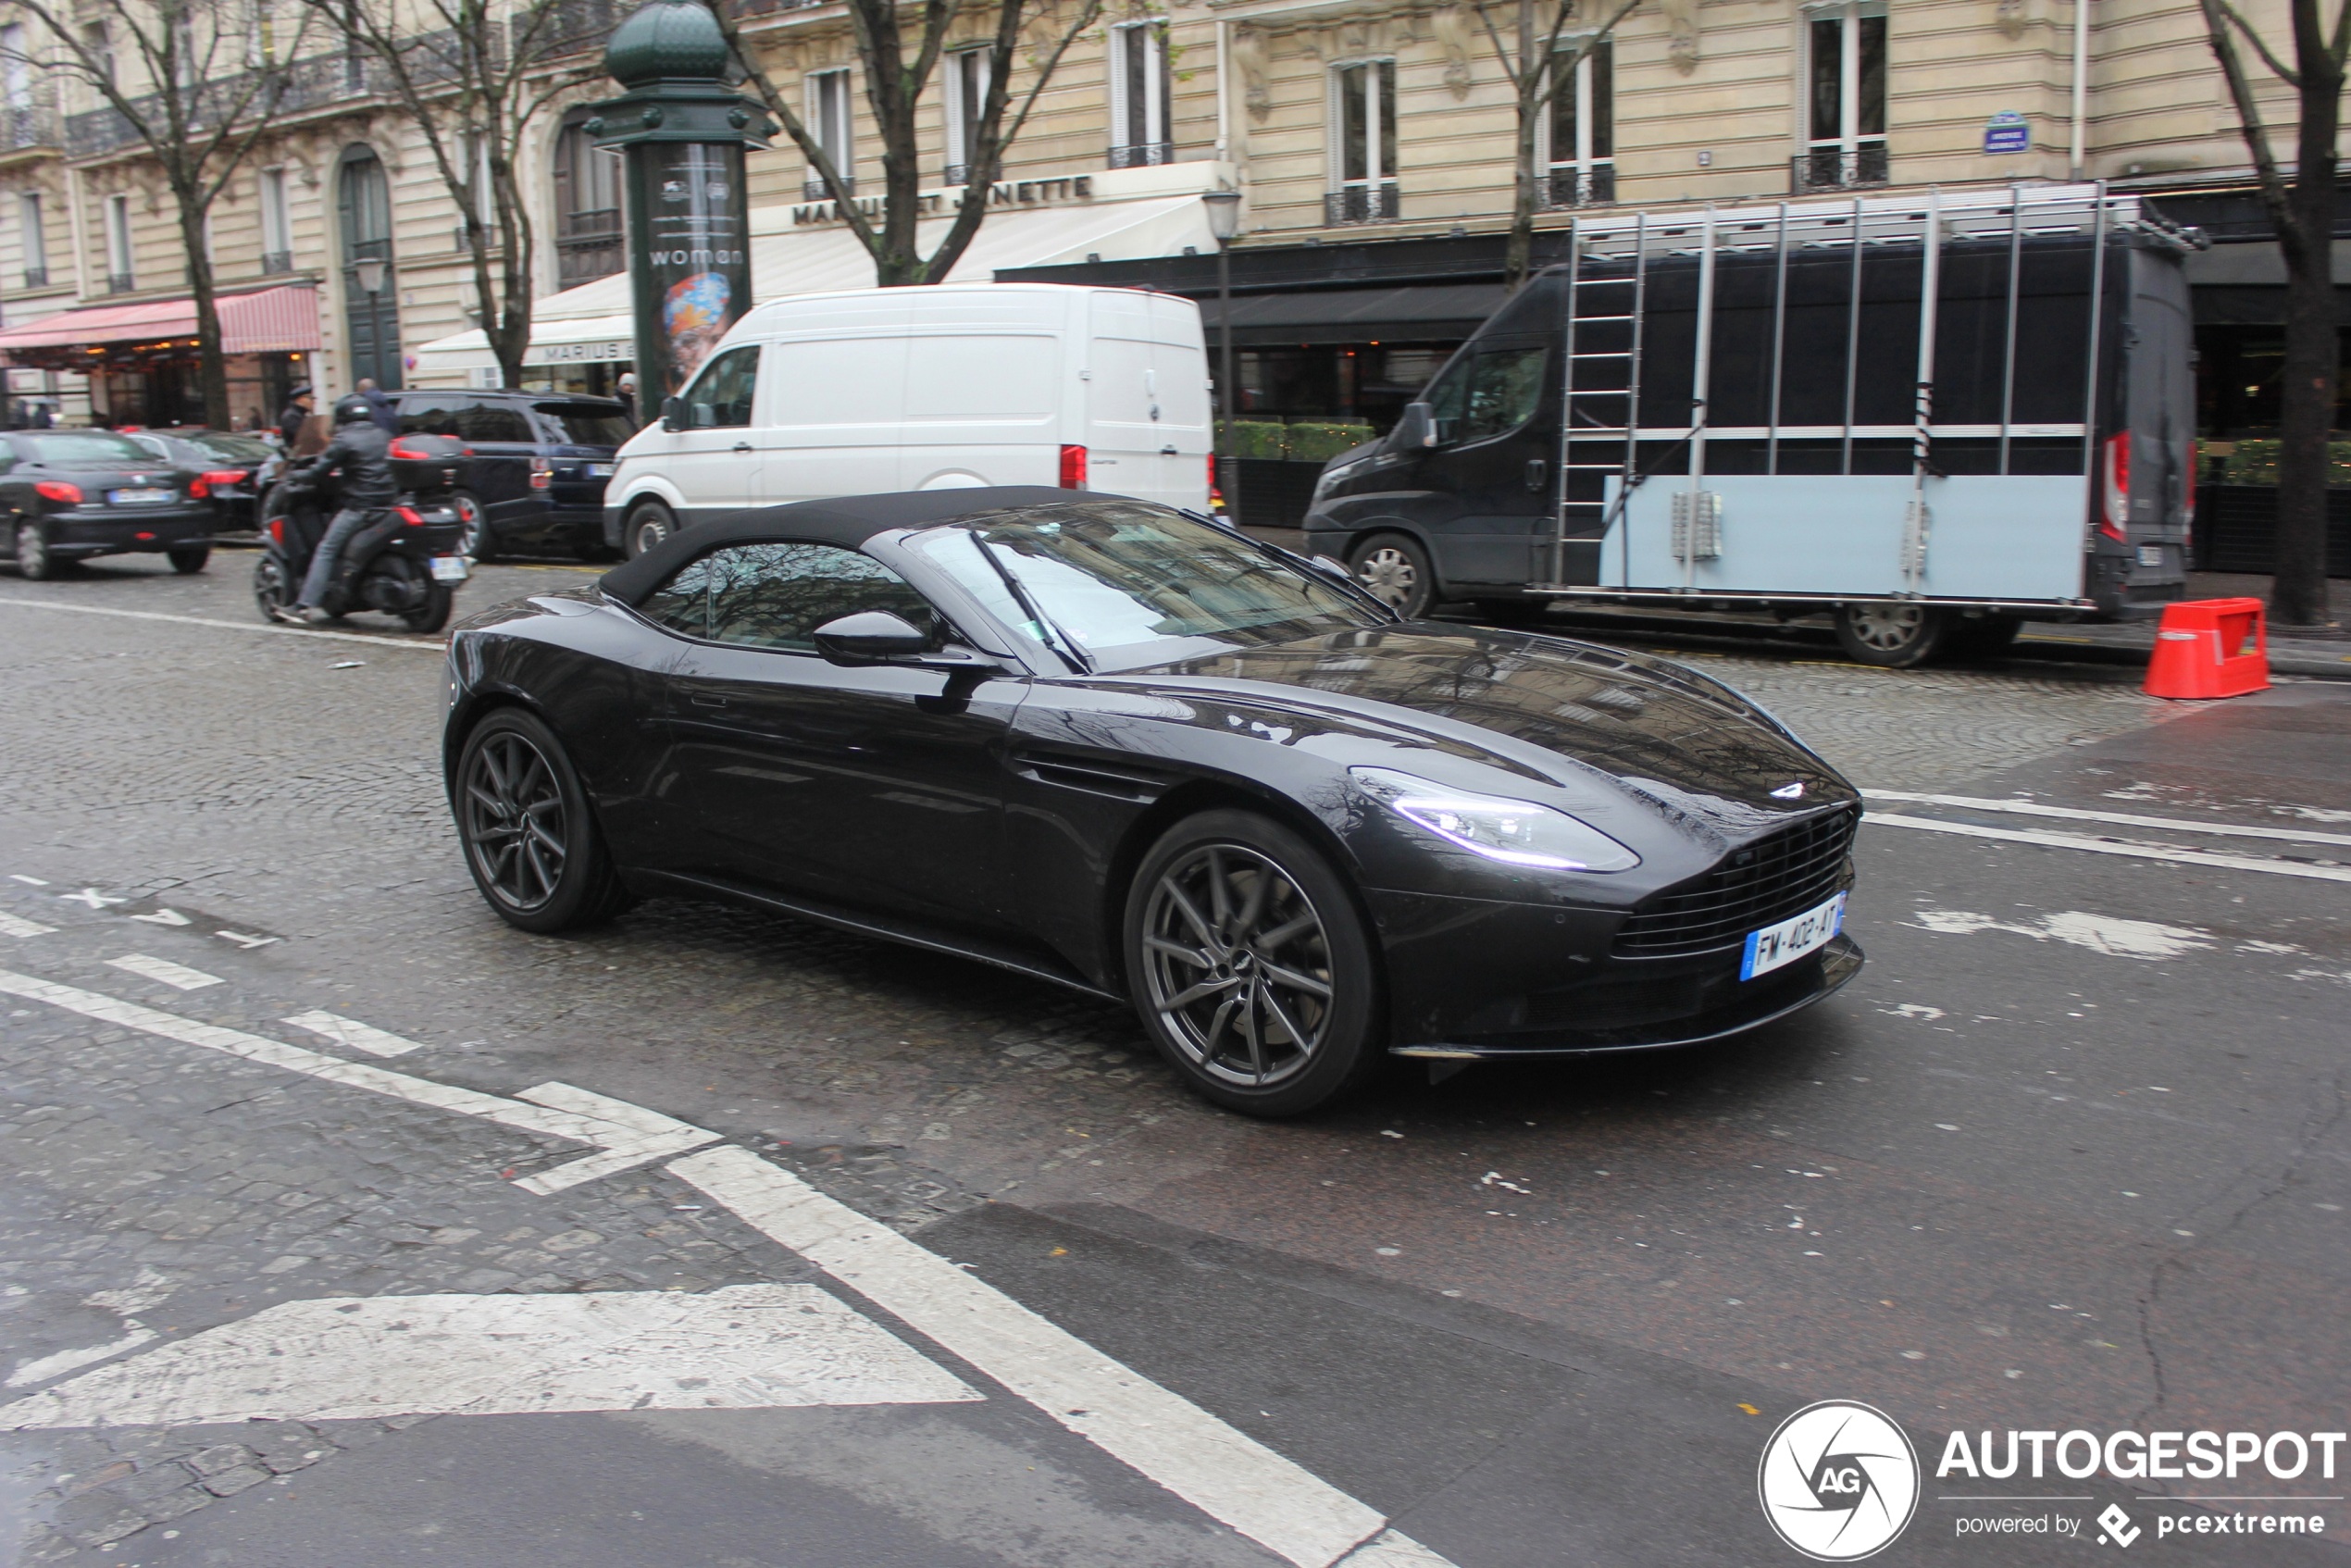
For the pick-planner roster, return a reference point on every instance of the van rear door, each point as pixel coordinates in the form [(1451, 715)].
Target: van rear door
[(2158, 424), (1147, 429)]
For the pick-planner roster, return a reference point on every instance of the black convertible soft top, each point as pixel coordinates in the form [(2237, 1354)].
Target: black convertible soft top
[(847, 520)]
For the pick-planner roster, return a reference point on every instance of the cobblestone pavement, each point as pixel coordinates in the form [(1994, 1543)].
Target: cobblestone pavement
[(285, 789)]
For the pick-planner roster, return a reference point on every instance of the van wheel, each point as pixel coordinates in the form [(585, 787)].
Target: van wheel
[(1396, 571), (648, 525), (1892, 634)]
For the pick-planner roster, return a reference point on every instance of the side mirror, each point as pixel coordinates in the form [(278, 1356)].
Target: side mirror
[(673, 414), (869, 637), (1331, 566), (1417, 428)]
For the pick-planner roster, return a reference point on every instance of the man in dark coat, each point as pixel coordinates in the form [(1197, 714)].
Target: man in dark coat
[(379, 407), (295, 414)]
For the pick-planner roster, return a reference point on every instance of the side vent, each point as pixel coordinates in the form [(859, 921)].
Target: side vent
[(1093, 777)]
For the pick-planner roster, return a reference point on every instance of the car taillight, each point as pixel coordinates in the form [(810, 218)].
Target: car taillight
[(408, 514), (199, 488), (1073, 467), (59, 490), (542, 473), (2118, 487), (219, 479), (277, 530)]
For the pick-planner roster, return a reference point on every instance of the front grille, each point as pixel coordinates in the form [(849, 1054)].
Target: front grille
[(1781, 874)]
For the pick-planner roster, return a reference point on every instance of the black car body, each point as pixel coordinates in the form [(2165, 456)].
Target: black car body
[(535, 465), (234, 470), (997, 796), (72, 494)]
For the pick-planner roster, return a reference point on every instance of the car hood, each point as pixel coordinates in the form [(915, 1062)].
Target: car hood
[(1544, 705)]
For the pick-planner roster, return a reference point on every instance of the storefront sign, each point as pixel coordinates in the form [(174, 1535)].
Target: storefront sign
[(569, 353), (932, 204)]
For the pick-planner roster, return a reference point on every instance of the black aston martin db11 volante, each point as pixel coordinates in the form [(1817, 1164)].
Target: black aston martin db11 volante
[(1126, 749)]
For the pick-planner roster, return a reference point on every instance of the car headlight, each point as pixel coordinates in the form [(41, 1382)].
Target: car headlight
[(1333, 478), (1514, 832)]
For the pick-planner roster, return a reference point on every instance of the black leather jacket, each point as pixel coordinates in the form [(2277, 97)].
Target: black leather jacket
[(359, 458)]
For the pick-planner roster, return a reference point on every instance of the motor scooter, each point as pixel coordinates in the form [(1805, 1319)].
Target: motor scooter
[(405, 563)]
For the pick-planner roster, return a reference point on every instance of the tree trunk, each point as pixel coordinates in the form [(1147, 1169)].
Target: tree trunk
[(2298, 591), (1518, 259), (212, 369)]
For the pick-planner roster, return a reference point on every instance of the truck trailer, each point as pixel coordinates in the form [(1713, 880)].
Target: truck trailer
[(1931, 416)]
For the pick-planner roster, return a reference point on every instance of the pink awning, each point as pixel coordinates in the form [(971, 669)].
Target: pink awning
[(279, 320)]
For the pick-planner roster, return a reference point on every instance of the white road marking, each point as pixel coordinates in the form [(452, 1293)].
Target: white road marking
[(12, 925), (597, 1132), (382, 641), (2108, 934), (743, 1347), (178, 975), (57, 1365), (2112, 846), (1223, 1472), (92, 897), (357, 1034), (163, 917), (28, 881), (247, 942), (657, 1137), (2122, 819)]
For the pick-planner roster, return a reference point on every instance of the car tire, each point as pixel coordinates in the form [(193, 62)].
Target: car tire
[(530, 840), (1393, 568), (1892, 634), (271, 591), (649, 523), (434, 614), (190, 561), (1985, 637), (473, 527), (1227, 986), (34, 561)]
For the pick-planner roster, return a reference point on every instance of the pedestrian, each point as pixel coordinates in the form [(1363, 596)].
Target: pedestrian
[(379, 407), (626, 394), (295, 414)]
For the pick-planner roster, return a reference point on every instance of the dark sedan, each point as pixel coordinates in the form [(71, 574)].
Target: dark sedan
[(1120, 748), (72, 494), (234, 471)]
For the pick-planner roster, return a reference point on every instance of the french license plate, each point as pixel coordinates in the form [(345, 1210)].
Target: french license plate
[(449, 568), (141, 497), (1774, 946), (598, 470), (2150, 554)]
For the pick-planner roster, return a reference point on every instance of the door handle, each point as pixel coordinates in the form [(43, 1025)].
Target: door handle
[(1538, 470), (742, 446), (1167, 451), (705, 700)]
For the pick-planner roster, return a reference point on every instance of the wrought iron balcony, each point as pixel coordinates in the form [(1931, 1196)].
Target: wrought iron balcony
[(120, 282), (815, 190), (36, 277), (1142, 154), (959, 174), (1833, 167), (276, 263), (589, 246), (1573, 187), (25, 126), (1371, 202)]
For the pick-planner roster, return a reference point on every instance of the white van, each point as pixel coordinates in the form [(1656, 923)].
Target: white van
[(936, 388)]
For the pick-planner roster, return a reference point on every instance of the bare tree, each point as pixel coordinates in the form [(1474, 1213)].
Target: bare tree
[(895, 81), (204, 94), (1536, 71), (473, 76), (2301, 210)]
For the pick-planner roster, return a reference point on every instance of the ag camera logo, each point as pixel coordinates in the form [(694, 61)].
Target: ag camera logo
[(1839, 1481)]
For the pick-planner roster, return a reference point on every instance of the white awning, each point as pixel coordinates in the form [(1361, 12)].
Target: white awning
[(593, 322)]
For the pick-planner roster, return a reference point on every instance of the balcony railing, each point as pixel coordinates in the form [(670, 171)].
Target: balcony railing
[(36, 277), (958, 174), (25, 126), (1142, 154), (1831, 167), (815, 190), (1367, 203), (589, 246), (1573, 187), (275, 263), (120, 282)]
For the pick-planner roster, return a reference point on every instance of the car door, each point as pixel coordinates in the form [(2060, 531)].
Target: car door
[(499, 436), (876, 788), (713, 458), (1489, 482)]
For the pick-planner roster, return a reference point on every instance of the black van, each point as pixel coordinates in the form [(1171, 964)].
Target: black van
[(535, 465), (1881, 409)]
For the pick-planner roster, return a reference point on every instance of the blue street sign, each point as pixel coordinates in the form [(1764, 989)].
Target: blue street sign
[(2007, 131)]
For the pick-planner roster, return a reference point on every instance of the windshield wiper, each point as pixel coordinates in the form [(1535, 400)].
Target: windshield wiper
[(1060, 642)]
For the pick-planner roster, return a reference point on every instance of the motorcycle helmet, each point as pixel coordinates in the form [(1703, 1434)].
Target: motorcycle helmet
[(353, 410)]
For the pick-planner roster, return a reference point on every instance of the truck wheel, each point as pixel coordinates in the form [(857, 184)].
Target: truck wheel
[(1892, 634), (1396, 571), (648, 525)]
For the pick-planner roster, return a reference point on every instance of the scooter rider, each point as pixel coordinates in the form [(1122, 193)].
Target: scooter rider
[(359, 457)]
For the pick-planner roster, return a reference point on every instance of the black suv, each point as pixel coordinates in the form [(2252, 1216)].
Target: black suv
[(535, 464)]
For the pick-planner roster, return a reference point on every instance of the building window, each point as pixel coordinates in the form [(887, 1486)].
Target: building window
[(1139, 118), (23, 127), (967, 78), (1581, 130), (1362, 122), (97, 50), (588, 228), (261, 37), (120, 279), (829, 122), (354, 65), (276, 224), (34, 239), (1844, 67)]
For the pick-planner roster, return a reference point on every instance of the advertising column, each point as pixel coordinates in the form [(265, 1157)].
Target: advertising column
[(693, 269)]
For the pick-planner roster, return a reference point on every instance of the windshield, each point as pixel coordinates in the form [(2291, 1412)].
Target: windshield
[(236, 449), (90, 449), (588, 424), (1124, 584)]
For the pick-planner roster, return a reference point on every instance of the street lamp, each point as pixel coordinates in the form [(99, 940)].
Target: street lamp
[(370, 270), (1223, 222)]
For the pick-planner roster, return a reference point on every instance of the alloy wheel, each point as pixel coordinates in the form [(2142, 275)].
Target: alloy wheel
[(1887, 628), (514, 821), (1389, 575), (34, 560), (473, 536), (1238, 965)]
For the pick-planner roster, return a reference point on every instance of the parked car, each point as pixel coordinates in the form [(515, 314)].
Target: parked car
[(873, 389), (535, 465), (72, 494), (235, 469), (1124, 750)]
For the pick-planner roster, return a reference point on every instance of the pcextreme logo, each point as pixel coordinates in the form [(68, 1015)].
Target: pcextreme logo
[(1839, 1481)]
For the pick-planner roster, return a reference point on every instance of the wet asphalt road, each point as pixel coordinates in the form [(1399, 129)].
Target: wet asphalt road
[(2071, 1153)]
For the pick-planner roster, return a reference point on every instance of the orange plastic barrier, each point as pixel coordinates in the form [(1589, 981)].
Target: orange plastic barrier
[(2211, 648)]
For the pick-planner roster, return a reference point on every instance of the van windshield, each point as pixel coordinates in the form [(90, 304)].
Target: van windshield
[(1125, 585)]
